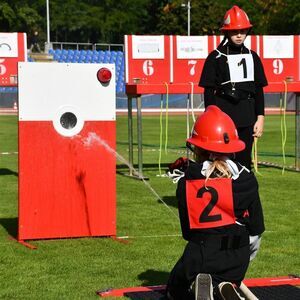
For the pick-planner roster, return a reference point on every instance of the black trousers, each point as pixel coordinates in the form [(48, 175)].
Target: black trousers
[(246, 135), (223, 265)]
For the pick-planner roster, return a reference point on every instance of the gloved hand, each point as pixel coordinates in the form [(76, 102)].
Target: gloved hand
[(180, 163), (176, 169), (254, 245)]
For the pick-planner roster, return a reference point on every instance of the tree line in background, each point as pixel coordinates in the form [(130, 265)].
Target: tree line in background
[(107, 21)]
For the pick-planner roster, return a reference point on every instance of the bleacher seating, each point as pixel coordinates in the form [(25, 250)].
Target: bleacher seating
[(8, 89), (94, 56), (86, 56)]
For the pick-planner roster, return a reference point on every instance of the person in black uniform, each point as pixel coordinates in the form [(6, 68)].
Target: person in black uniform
[(233, 79), (220, 213), (35, 42)]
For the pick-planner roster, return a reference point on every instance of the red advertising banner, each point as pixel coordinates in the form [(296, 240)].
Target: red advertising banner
[(148, 59), (280, 56)]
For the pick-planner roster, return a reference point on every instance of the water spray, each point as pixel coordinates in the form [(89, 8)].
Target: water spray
[(93, 138)]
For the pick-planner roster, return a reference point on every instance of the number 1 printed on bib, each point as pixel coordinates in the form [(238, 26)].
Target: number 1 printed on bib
[(241, 67)]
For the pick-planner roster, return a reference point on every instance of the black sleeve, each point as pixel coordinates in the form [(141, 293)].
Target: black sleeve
[(208, 75), (260, 81), (182, 209), (259, 72), (209, 96), (246, 197), (256, 218), (259, 101)]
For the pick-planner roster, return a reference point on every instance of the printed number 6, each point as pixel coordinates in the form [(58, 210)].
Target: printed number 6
[(148, 67), (205, 217)]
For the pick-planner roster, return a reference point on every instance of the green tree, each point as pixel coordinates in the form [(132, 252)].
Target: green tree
[(107, 21)]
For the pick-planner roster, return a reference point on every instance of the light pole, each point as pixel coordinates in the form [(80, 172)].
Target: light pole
[(188, 6), (48, 45)]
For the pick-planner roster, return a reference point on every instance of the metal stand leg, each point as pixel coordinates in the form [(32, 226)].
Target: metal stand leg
[(297, 130), (130, 135), (139, 133), (139, 136), (132, 173)]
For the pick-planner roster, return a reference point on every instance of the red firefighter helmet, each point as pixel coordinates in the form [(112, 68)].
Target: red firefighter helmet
[(215, 131), (235, 19)]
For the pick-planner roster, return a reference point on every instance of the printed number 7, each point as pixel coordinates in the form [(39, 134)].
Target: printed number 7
[(193, 66), (243, 62), (205, 217)]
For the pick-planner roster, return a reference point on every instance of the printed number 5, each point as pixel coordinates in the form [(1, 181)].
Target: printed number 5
[(205, 217), (2, 67)]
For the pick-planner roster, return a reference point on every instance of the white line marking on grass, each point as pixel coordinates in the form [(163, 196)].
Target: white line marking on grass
[(8, 153), (148, 236)]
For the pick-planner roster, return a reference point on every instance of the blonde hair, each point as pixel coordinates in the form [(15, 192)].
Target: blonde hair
[(218, 167)]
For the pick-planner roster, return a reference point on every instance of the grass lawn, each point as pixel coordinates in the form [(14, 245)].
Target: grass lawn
[(77, 268)]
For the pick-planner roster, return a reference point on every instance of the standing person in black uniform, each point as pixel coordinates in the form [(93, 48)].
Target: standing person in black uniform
[(233, 79), (220, 211), (35, 42)]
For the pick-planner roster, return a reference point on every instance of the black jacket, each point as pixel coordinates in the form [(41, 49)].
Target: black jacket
[(249, 102), (245, 198)]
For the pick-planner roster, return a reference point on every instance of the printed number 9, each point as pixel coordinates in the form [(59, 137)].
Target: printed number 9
[(278, 66)]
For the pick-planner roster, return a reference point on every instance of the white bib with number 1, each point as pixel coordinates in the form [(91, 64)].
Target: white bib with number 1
[(241, 67)]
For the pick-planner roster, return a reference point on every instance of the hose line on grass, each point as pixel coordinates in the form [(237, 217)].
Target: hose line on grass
[(167, 116), (192, 101), (188, 117), (190, 98), (283, 123), (161, 126), (160, 133), (255, 155)]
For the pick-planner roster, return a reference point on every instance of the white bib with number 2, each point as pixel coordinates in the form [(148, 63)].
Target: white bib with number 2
[(241, 67)]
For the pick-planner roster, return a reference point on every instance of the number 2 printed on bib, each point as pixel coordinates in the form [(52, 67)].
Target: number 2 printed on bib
[(241, 67), (210, 204)]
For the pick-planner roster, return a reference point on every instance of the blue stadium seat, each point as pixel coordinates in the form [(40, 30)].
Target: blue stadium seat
[(74, 59), (65, 52)]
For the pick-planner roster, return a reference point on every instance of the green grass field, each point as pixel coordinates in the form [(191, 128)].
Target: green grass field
[(77, 268)]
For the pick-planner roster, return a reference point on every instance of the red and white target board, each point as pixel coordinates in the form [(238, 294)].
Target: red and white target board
[(148, 58), (280, 56), (67, 139), (173, 64), (189, 56), (13, 49)]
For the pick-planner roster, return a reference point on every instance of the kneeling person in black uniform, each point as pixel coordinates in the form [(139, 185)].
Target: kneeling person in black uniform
[(220, 211)]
